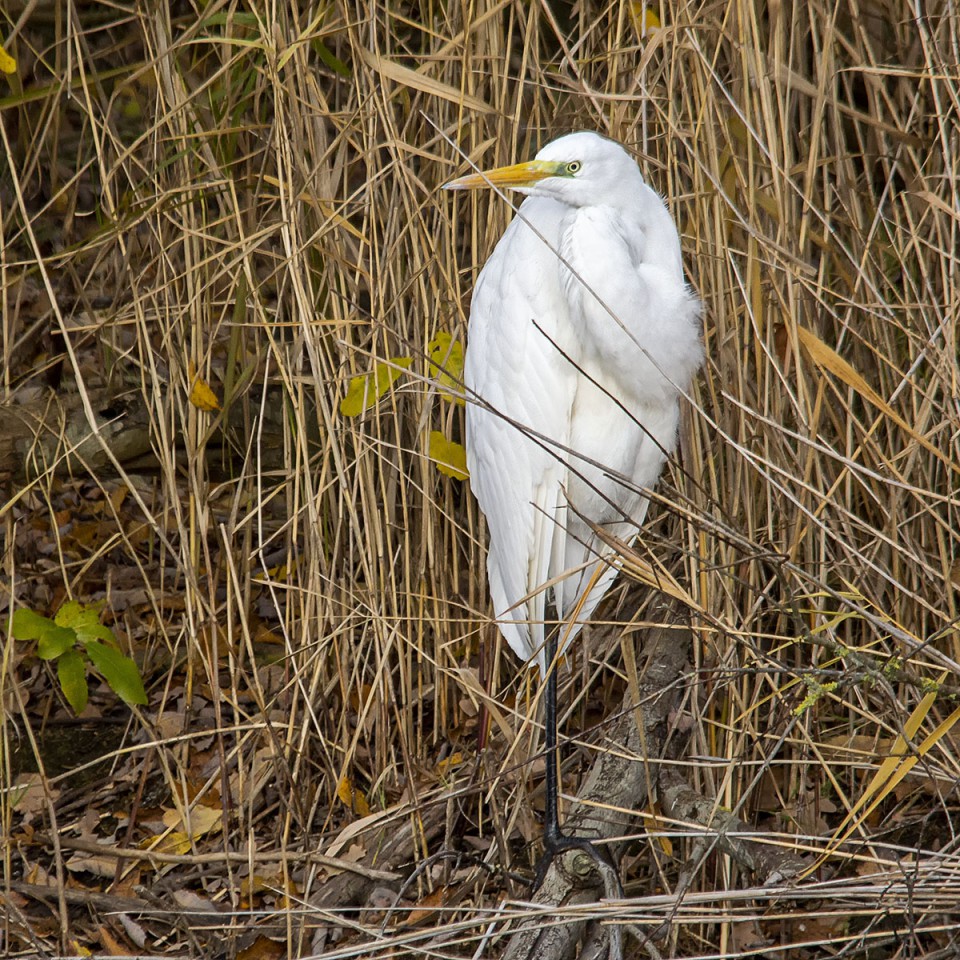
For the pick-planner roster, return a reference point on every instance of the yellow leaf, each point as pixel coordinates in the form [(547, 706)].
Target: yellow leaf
[(446, 365), (450, 457), (202, 397), (353, 798), (364, 391), (645, 18), (176, 842), (67, 615), (202, 819), (831, 361), (7, 63), (447, 764)]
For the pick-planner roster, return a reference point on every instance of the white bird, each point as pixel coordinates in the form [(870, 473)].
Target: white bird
[(583, 335)]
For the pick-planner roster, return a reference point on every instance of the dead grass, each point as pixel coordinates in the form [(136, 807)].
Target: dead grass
[(254, 201)]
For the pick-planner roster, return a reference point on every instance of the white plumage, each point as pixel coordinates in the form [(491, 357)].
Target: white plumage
[(583, 333)]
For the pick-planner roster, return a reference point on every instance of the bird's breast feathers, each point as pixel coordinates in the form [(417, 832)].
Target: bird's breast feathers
[(634, 315)]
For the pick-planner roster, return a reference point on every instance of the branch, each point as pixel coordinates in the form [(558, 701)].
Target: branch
[(616, 781)]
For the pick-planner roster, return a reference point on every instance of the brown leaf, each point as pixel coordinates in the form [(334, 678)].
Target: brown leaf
[(746, 938), (113, 946), (92, 863), (262, 949), (428, 907)]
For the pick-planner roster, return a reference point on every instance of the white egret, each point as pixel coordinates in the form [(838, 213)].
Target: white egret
[(583, 335)]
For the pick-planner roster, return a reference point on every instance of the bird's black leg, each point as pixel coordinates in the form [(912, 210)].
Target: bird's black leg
[(555, 841), (551, 821)]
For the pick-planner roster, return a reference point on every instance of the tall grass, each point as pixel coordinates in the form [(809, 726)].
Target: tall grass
[(252, 198)]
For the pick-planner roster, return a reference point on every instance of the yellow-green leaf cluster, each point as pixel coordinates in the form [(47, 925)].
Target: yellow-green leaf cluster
[(364, 391), (446, 366), (449, 456), (77, 624)]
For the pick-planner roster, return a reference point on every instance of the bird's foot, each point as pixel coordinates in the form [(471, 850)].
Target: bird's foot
[(595, 860)]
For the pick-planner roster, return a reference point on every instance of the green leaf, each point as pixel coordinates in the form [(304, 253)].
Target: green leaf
[(450, 457), (56, 642), (119, 671), (236, 19), (28, 625), (52, 639), (67, 615), (84, 619), (72, 673), (366, 390), (446, 365), (331, 59)]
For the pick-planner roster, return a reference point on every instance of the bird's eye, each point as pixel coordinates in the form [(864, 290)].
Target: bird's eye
[(574, 167)]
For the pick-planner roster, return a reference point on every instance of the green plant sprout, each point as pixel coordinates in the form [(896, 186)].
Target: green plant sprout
[(74, 633)]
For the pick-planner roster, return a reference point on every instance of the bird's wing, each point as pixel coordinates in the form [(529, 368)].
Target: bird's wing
[(639, 327), (524, 391)]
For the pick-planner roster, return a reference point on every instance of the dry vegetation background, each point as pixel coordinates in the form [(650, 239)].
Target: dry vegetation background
[(248, 195)]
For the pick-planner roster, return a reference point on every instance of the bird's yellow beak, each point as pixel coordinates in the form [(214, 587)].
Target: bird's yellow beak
[(516, 175)]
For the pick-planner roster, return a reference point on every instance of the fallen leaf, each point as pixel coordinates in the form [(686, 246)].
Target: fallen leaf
[(92, 863), (746, 938), (428, 906), (355, 852), (176, 841), (200, 819), (28, 796), (352, 798), (113, 946), (192, 902), (263, 949), (454, 760), (133, 930)]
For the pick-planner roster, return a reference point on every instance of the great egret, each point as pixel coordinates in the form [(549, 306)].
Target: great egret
[(583, 334)]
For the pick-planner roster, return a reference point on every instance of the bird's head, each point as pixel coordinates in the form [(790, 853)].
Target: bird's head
[(580, 169)]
